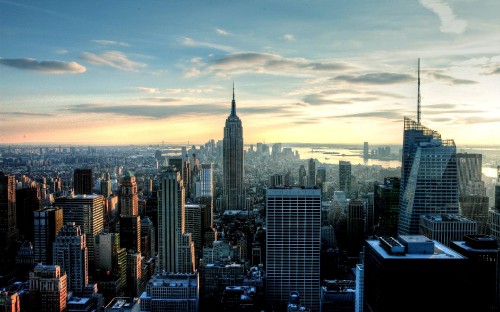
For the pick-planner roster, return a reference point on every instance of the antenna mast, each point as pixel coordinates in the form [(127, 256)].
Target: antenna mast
[(418, 100)]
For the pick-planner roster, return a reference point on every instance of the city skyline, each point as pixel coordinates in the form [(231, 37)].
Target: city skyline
[(328, 72)]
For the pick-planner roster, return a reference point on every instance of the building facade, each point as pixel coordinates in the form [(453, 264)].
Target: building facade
[(293, 244)]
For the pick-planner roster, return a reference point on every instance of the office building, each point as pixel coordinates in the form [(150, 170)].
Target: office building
[(48, 288), (345, 177), (8, 229), (355, 226), (47, 223), (182, 165), (175, 247), (70, 253), (133, 287), (28, 200), (484, 257), (129, 198), (386, 207), (429, 183), (293, 247), (359, 300), (337, 295), (10, 301), (366, 151), (233, 189), (321, 178), (207, 180), (148, 238), (111, 257), (130, 233), (106, 189), (427, 274), (87, 212), (83, 181), (302, 176), (446, 228), (311, 172), (194, 225), (171, 292)]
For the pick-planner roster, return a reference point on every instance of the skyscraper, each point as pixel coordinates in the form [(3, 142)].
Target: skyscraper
[(8, 230), (429, 182), (129, 198), (70, 253), (171, 224), (83, 181), (233, 191), (311, 172), (48, 288), (345, 177), (46, 225), (86, 211), (293, 244)]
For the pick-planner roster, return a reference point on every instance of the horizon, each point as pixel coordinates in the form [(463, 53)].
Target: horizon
[(135, 73)]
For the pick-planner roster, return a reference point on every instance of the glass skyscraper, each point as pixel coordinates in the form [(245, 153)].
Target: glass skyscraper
[(429, 182)]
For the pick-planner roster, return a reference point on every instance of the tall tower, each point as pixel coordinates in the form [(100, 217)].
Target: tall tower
[(172, 242), (293, 246), (83, 181), (70, 253), (429, 182), (129, 198), (345, 177), (8, 230), (233, 191), (311, 174)]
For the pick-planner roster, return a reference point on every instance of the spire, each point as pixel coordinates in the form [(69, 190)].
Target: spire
[(233, 105), (418, 99)]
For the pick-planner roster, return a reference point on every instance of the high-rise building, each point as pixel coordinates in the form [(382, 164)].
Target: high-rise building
[(70, 253), (302, 175), (111, 257), (83, 181), (46, 225), (207, 180), (28, 200), (172, 240), (311, 172), (469, 168), (321, 177), (182, 165), (48, 288), (417, 269), (293, 247), (171, 292), (366, 151), (133, 287), (345, 177), (355, 226), (130, 233), (494, 214), (484, 256), (106, 190), (86, 211), (429, 183), (129, 198), (386, 210), (8, 229), (446, 228), (233, 189), (194, 224), (148, 238)]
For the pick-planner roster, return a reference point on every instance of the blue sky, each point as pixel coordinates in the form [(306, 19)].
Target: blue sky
[(129, 72)]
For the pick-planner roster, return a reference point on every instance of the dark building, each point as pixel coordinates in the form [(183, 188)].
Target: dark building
[(484, 260), (233, 190), (345, 177), (311, 172), (414, 273), (130, 233), (386, 210), (27, 201), (46, 225), (8, 229), (355, 226), (83, 181)]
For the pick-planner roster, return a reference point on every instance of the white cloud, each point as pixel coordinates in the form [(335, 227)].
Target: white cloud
[(192, 43), (449, 22), (115, 59), (148, 90), (111, 42), (222, 32), (288, 37)]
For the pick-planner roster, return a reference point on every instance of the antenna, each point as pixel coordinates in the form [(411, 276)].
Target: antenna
[(418, 99)]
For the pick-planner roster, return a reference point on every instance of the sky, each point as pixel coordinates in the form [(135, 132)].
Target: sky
[(333, 71)]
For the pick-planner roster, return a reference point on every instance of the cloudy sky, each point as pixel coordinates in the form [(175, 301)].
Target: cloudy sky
[(333, 71)]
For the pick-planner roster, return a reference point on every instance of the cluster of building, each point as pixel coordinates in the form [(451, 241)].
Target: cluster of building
[(221, 228)]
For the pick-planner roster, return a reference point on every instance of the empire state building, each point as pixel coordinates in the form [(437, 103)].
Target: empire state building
[(233, 191)]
